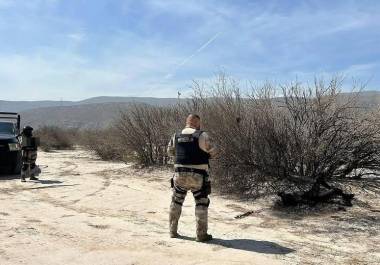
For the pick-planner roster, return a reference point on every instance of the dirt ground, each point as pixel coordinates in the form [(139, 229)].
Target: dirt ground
[(86, 211)]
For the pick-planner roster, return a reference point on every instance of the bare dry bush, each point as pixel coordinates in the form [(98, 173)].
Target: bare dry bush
[(306, 145), (145, 132), (304, 141), (56, 138), (105, 143), (317, 140), (225, 115)]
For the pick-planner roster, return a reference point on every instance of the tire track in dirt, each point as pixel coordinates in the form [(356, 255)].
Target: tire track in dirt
[(82, 240), (66, 170), (107, 181), (44, 197), (131, 216)]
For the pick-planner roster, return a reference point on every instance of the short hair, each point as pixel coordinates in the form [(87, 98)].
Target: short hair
[(191, 118), (192, 115)]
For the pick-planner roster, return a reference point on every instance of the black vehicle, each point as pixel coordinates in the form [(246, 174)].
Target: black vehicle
[(10, 147)]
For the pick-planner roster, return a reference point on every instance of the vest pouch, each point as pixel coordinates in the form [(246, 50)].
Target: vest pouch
[(207, 187)]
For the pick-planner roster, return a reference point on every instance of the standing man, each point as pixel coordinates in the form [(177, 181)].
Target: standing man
[(29, 155), (191, 150)]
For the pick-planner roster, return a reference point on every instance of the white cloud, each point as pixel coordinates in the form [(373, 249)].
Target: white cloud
[(187, 59), (362, 73), (53, 75), (34, 77), (77, 37)]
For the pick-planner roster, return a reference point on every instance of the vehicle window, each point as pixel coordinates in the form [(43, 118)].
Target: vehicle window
[(7, 128)]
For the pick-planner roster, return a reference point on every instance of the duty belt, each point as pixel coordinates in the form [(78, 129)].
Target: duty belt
[(195, 170)]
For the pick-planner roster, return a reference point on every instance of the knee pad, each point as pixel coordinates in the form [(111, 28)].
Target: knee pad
[(203, 192), (202, 202), (178, 198)]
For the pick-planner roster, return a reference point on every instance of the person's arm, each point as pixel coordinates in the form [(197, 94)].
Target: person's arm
[(171, 147), (206, 144)]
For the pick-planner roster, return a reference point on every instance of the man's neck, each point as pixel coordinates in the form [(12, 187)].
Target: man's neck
[(191, 127)]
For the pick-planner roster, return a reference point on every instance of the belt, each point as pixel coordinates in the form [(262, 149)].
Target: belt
[(195, 170)]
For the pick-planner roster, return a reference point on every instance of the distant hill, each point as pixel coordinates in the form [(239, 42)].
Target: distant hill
[(101, 111), (17, 106), (146, 100), (369, 99), (79, 116)]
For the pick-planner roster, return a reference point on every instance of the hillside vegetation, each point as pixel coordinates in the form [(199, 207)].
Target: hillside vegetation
[(308, 146), (100, 111)]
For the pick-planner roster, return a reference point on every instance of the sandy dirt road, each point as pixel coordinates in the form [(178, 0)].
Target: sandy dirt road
[(86, 211)]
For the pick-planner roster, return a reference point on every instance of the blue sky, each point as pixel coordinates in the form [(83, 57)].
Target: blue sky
[(75, 49)]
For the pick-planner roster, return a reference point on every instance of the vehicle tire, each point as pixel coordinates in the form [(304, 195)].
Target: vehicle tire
[(16, 169)]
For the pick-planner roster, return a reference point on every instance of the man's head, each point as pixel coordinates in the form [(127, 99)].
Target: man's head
[(193, 121), (27, 131)]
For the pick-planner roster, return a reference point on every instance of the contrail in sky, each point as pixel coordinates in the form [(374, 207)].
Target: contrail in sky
[(169, 75)]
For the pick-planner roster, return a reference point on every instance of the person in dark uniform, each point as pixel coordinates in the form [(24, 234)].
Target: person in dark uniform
[(29, 155)]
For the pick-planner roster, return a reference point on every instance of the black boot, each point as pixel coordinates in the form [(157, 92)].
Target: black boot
[(23, 174), (203, 238), (33, 178)]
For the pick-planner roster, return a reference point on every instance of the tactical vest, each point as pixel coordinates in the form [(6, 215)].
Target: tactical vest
[(187, 149), (30, 143)]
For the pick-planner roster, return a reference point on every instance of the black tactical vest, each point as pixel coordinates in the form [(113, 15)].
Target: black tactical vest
[(30, 143), (187, 149)]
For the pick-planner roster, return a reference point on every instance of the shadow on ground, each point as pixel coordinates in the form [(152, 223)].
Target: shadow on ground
[(49, 187), (265, 247), (46, 183), (42, 181)]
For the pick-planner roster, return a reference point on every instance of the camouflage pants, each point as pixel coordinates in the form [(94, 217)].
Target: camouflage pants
[(183, 182), (29, 158)]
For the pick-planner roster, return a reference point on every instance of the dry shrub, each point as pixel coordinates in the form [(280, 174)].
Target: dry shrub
[(309, 139), (145, 132), (301, 141), (56, 138), (106, 143), (312, 135), (226, 117)]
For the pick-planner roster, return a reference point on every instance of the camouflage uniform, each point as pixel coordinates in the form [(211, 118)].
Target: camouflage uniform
[(194, 178), (29, 167), (29, 156), (183, 182)]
